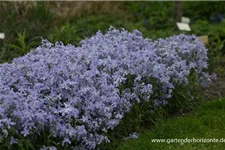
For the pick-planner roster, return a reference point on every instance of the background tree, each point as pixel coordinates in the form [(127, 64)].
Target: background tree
[(177, 12)]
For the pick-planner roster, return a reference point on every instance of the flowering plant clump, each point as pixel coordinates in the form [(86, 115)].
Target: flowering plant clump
[(79, 93)]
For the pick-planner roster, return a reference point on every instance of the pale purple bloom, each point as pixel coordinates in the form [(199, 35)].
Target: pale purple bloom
[(74, 91)]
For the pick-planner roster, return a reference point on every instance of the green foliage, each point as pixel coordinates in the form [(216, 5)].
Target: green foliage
[(41, 13), (153, 15), (216, 45), (86, 27), (20, 44), (216, 33), (68, 34), (36, 22), (203, 10), (91, 24)]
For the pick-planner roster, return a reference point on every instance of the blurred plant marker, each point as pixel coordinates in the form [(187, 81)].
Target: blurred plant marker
[(185, 20), (204, 39), (2, 35), (183, 26)]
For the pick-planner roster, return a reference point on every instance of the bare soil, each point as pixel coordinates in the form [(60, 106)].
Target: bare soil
[(216, 89)]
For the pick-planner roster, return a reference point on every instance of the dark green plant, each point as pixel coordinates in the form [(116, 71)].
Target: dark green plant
[(42, 13), (68, 34), (203, 10), (152, 15), (216, 35), (36, 22)]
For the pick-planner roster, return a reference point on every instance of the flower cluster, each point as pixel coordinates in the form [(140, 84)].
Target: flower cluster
[(75, 93)]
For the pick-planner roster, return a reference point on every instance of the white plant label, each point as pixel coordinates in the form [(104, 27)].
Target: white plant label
[(2, 35), (185, 20), (183, 26)]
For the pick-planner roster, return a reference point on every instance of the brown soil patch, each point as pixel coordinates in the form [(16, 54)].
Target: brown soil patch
[(216, 89)]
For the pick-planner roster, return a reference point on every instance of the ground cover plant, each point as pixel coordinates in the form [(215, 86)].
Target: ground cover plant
[(62, 96), (170, 77)]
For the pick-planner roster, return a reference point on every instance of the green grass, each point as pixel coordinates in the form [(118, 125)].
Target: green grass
[(206, 122)]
